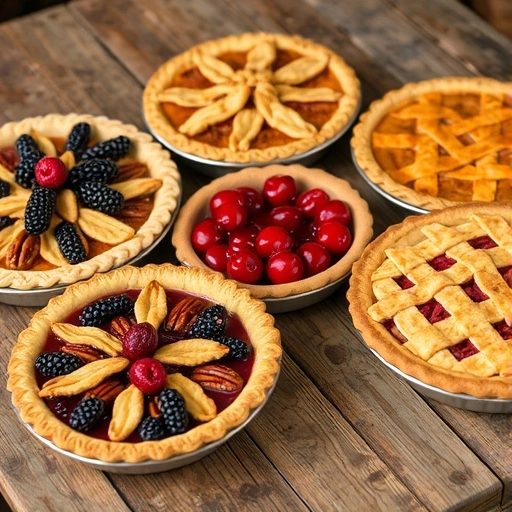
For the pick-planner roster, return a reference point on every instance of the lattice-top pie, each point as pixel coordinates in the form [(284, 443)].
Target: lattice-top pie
[(433, 297), (440, 142), (251, 98)]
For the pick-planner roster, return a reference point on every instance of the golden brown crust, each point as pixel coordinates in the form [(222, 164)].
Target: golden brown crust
[(362, 139), (158, 122), (196, 209), (361, 297), (259, 326), (144, 150)]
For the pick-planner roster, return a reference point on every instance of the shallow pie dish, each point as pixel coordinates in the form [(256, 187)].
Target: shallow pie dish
[(118, 195), (179, 303), (432, 297), (438, 143), (289, 296), (251, 99)]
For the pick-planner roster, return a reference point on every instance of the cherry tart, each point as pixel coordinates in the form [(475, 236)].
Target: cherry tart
[(144, 363)]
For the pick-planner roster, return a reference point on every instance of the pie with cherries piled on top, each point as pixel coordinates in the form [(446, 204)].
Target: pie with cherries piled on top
[(254, 97), (440, 142), (433, 297)]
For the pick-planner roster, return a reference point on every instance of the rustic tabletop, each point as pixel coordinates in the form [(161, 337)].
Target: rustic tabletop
[(340, 431)]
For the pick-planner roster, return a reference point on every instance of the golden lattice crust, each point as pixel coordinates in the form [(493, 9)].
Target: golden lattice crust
[(416, 346), (259, 325), (462, 151), (257, 82)]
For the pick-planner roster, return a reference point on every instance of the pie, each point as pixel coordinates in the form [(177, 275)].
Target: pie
[(144, 363), (440, 142), (254, 97), (433, 297), (79, 195)]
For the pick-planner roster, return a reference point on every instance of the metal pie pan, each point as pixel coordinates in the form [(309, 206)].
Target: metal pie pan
[(154, 466), (459, 400)]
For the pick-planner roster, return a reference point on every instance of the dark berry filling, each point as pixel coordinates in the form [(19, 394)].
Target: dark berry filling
[(473, 291), (404, 282), (433, 311), (482, 242), (463, 349), (504, 330), (442, 262)]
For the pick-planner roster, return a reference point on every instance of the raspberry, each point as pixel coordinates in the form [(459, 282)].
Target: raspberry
[(148, 375), (87, 413), (100, 171), (100, 197), (5, 188), (53, 364), (6, 221), (78, 139), (39, 210), (210, 323), (104, 310), (24, 172), (114, 149), (141, 340), (152, 428), (172, 406), (51, 172), (70, 244), (238, 349)]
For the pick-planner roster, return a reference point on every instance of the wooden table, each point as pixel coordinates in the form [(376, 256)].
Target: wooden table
[(341, 431)]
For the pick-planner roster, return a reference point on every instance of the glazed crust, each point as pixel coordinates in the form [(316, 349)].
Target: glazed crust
[(362, 139), (196, 209), (166, 199), (378, 338), (259, 326), (160, 125)]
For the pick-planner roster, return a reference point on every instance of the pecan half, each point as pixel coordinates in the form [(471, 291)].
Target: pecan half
[(120, 325), (135, 209), (84, 352), (217, 377), (107, 390), (23, 251), (153, 409), (131, 171), (184, 314)]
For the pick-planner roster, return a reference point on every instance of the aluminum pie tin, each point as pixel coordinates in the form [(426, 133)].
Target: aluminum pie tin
[(217, 168), (153, 466), (458, 400)]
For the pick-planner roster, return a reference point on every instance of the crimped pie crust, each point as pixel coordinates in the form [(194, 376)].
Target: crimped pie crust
[(166, 199), (196, 209), (265, 340), (361, 297), (362, 139), (160, 125)]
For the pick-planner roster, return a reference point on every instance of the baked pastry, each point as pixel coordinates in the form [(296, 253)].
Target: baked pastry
[(144, 363), (440, 142), (433, 297), (253, 97), (79, 195)]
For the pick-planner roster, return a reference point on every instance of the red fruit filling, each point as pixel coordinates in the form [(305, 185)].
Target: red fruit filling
[(141, 340), (506, 273), (51, 172), (473, 291), (442, 262), (463, 349), (482, 242), (504, 330), (433, 311), (148, 375), (404, 282), (393, 329)]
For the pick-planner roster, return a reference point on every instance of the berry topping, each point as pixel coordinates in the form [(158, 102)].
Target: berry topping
[(104, 310), (141, 340), (333, 210), (99, 171), (237, 348), (284, 267), (51, 172), (115, 149), (226, 196), (148, 375), (206, 234), (309, 202), (39, 210), (87, 413), (253, 200), (5, 188), (279, 189), (210, 323), (70, 244), (172, 406), (27, 146), (152, 428), (273, 239), (53, 364), (230, 216), (78, 139), (217, 257), (100, 197), (335, 237), (244, 265), (24, 173), (315, 258)]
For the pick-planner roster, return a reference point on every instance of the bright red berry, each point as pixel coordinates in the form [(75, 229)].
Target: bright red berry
[(216, 257), (230, 216), (253, 199), (333, 210), (273, 239), (287, 216), (279, 189), (284, 267), (148, 375), (226, 196), (205, 234), (243, 238), (51, 172), (244, 266), (315, 258), (335, 237), (309, 202), (141, 340)]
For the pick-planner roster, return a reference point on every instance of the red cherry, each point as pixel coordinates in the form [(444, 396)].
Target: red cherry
[(284, 267), (253, 199), (279, 189), (333, 210), (148, 375), (205, 234), (273, 239), (230, 216), (51, 172), (243, 238), (244, 266), (315, 258), (141, 340), (226, 196), (334, 236), (216, 257), (309, 202), (286, 216)]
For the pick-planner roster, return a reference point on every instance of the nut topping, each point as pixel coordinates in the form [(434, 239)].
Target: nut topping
[(84, 352), (120, 325), (217, 377), (23, 251), (107, 391), (184, 314), (135, 209)]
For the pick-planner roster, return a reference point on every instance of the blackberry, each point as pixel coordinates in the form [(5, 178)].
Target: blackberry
[(39, 210), (152, 428), (24, 173), (5, 188), (70, 243), (79, 139), (172, 406), (99, 171), (238, 349), (26, 146), (210, 323), (104, 310), (112, 148), (6, 221), (87, 413), (53, 364), (100, 197)]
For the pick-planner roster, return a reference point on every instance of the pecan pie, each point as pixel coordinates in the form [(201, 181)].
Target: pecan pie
[(78, 195), (144, 363), (433, 297), (440, 142), (251, 98)]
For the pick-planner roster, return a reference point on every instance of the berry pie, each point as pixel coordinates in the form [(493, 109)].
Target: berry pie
[(144, 363), (251, 98), (440, 142), (433, 297), (78, 195)]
